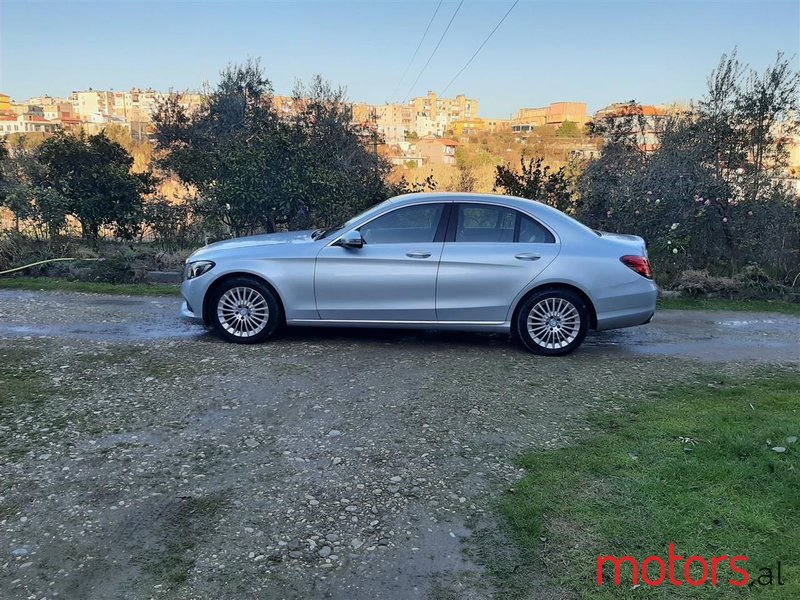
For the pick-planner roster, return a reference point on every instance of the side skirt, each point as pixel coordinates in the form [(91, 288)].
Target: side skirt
[(487, 326)]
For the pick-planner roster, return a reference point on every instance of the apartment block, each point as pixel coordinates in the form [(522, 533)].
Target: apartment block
[(429, 115), (90, 103), (647, 122), (554, 115), (437, 151), (452, 109), (136, 105), (133, 106), (394, 121), (57, 111)]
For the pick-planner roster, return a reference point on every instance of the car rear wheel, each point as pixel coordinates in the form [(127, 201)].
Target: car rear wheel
[(552, 322), (244, 311)]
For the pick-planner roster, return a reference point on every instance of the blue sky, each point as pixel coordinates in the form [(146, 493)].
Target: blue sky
[(597, 52)]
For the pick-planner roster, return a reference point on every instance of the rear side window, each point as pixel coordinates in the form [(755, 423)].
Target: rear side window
[(485, 223), (477, 223), (533, 232)]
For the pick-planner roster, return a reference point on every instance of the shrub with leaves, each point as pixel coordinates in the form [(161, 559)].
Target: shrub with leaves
[(535, 181), (85, 177), (258, 169), (710, 196), (699, 283)]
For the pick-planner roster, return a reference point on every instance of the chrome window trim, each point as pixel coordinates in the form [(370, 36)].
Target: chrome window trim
[(386, 212), (519, 210)]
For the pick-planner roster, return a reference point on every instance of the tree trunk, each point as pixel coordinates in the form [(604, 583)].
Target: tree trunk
[(731, 244)]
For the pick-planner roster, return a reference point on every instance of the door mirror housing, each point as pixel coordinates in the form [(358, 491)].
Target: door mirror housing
[(351, 239)]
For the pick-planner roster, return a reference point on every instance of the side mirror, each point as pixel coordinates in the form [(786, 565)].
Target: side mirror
[(351, 239)]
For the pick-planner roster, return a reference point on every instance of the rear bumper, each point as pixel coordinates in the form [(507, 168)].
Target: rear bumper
[(628, 319), (628, 306)]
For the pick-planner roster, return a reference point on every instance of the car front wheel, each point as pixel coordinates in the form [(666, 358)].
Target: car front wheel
[(244, 311), (552, 322)]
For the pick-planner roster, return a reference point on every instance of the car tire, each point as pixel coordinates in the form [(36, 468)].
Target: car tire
[(552, 322), (244, 311)]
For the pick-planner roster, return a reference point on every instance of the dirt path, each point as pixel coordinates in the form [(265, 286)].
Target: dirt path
[(708, 335), (141, 457)]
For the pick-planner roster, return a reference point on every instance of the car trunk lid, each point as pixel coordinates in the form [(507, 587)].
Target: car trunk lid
[(630, 242)]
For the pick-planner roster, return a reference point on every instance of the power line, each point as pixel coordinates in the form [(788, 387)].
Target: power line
[(413, 56), (425, 66), (491, 33)]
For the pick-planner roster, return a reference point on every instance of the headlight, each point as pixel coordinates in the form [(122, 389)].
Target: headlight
[(197, 268)]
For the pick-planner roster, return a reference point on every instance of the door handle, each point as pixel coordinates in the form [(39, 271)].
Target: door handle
[(418, 254), (528, 256)]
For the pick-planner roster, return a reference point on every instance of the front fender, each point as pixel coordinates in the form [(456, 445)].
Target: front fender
[(291, 278)]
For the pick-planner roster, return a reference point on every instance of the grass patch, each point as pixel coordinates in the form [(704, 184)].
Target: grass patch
[(183, 529), (23, 389), (694, 467), (20, 379), (63, 285), (776, 306)]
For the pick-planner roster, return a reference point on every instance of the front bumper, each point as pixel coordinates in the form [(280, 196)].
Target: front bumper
[(193, 292), (188, 313)]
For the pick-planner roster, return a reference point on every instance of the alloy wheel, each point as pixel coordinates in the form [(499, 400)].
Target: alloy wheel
[(243, 311), (554, 323)]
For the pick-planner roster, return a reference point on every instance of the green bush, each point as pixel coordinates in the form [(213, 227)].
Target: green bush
[(699, 283), (752, 282), (121, 262), (709, 196)]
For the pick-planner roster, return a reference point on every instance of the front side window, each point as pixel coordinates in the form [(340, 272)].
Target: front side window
[(409, 225)]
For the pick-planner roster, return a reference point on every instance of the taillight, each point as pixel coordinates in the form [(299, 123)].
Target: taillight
[(639, 264)]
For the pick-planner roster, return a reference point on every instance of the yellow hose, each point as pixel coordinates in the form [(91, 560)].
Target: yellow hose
[(42, 262)]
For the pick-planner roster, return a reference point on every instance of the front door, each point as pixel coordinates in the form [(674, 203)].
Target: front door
[(392, 277)]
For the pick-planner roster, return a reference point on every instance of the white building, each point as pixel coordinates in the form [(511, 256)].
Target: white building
[(27, 124)]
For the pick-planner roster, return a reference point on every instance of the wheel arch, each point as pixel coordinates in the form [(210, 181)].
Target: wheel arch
[(558, 286), (236, 275)]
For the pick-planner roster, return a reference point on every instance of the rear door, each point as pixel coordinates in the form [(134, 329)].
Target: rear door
[(491, 253)]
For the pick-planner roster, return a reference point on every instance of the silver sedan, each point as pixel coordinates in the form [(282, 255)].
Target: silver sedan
[(473, 262)]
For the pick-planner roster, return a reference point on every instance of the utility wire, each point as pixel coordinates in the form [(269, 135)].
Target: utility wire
[(425, 66), (413, 56), (491, 33)]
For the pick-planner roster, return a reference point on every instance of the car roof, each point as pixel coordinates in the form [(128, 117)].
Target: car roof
[(439, 196), (534, 207), (425, 197)]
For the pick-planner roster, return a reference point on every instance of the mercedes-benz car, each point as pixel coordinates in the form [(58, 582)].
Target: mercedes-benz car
[(474, 262)]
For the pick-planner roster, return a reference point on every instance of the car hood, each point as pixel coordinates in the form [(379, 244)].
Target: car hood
[(267, 239)]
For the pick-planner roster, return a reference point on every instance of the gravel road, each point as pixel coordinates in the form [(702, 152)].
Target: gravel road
[(707, 335), (143, 458)]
